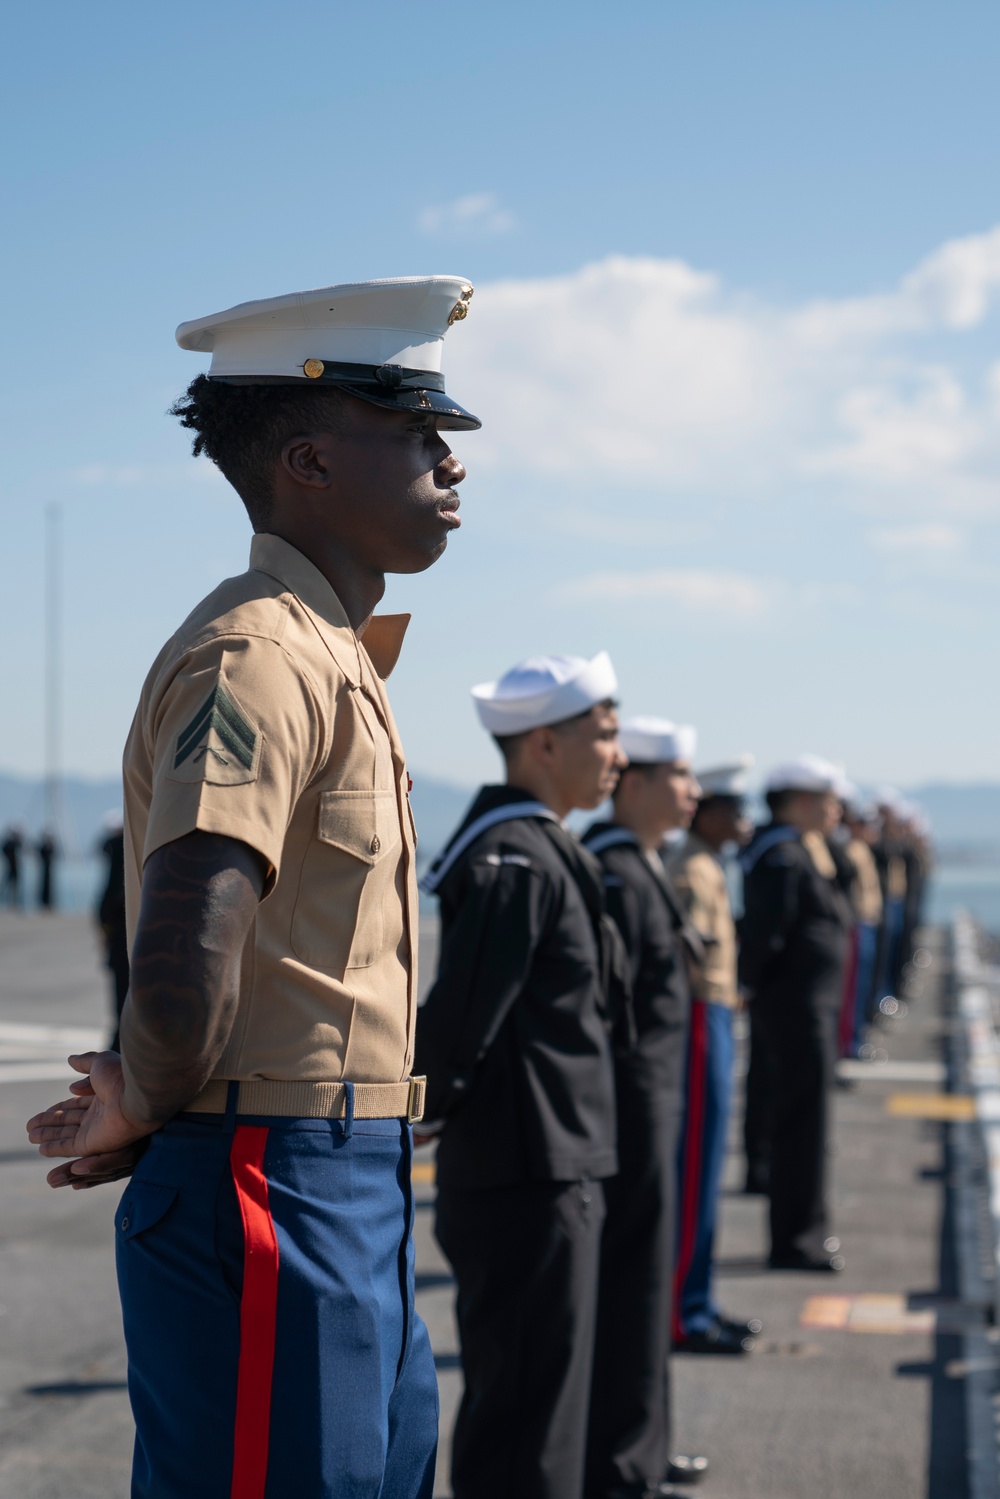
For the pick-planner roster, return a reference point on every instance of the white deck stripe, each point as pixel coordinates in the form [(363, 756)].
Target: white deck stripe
[(37, 1072), (856, 1071)]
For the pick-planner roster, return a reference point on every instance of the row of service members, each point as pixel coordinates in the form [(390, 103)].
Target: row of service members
[(581, 1121), (576, 1092), (833, 888)]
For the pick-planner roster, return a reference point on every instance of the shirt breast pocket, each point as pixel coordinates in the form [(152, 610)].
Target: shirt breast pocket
[(348, 876)]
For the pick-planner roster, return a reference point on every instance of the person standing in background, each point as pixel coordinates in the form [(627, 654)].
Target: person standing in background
[(793, 945), (860, 832), (699, 877), (890, 858), (515, 1040), (13, 845), (629, 1450), (47, 853), (111, 915)]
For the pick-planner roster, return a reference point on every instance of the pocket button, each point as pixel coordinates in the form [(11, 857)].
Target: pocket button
[(376, 844), (124, 1225)]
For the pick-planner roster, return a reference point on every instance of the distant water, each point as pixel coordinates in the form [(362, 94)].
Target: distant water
[(79, 883), (954, 887), (974, 888)]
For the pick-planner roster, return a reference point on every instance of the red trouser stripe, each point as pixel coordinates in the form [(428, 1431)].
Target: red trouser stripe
[(694, 1133), (258, 1314)]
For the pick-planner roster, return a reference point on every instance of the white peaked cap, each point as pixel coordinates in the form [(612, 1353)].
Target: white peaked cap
[(653, 741), (380, 340), (544, 690), (807, 773), (726, 780)]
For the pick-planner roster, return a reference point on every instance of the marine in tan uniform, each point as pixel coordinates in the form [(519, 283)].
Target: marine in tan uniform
[(699, 876), (263, 1094)]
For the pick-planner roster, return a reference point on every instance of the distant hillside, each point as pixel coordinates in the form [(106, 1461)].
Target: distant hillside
[(966, 815), (438, 807)]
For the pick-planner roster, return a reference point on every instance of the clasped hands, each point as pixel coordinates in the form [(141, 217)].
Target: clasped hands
[(92, 1126)]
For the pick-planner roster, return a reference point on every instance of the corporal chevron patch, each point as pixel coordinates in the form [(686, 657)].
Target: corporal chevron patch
[(221, 720)]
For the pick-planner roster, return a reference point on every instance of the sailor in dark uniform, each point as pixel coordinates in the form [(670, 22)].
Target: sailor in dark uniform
[(629, 1445), (793, 946), (890, 857), (515, 1039)]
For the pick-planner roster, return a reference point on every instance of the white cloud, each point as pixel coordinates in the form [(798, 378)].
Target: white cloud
[(622, 529), (474, 214), (722, 594), (910, 540), (653, 371), (729, 593)]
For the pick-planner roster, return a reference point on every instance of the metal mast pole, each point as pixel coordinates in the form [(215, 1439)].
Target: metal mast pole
[(53, 663)]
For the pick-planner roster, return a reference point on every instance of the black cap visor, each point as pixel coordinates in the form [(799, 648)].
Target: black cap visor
[(388, 385), (450, 416)]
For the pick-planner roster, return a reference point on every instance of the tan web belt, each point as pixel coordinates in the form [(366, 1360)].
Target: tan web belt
[(305, 1100)]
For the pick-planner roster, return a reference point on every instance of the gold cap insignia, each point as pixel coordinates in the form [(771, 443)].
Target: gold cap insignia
[(313, 368), (461, 307)]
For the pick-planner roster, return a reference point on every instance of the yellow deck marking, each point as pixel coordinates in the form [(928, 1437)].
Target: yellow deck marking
[(931, 1106), (866, 1313), (424, 1172)]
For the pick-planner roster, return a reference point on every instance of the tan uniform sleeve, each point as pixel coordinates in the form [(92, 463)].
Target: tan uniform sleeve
[(701, 884), (696, 886), (234, 734)]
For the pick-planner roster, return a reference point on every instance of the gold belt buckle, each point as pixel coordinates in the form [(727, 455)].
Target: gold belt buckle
[(415, 1102)]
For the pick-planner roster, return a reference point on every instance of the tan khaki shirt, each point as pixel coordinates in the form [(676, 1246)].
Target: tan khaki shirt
[(866, 891), (700, 881), (265, 719)]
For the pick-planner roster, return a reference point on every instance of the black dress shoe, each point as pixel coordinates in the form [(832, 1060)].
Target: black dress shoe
[(749, 1329), (715, 1339), (682, 1469), (824, 1264)]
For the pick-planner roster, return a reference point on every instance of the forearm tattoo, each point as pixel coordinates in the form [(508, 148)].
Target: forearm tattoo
[(199, 898)]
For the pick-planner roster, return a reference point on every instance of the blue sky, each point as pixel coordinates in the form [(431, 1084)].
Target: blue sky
[(734, 341)]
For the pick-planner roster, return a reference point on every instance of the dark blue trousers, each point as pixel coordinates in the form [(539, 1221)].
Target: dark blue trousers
[(893, 918), (266, 1276), (867, 940), (711, 1056)]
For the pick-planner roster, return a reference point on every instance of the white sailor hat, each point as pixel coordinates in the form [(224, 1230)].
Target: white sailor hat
[(544, 690), (379, 340), (806, 773), (726, 780), (653, 741), (857, 806)]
